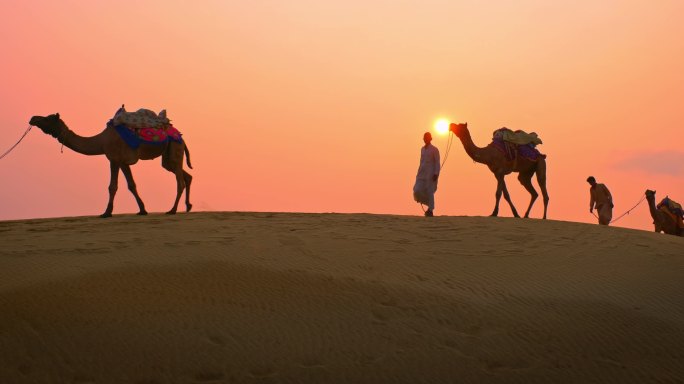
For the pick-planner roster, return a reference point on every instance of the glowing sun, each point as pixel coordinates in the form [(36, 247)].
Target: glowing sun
[(442, 126)]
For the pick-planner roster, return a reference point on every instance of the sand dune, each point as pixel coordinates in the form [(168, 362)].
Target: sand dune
[(337, 298)]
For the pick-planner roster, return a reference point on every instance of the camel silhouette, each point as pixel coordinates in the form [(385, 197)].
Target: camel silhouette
[(661, 220), (501, 166), (121, 156)]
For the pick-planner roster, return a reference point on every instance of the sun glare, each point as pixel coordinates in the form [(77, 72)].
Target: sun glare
[(442, 126)]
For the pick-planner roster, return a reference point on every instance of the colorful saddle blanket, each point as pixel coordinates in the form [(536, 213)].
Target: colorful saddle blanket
[(674, 207), (144, 127), (135, 137), (517, 143), (511, 150)]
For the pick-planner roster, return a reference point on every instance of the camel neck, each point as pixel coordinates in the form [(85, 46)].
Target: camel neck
[(652, 205), (84, 145), (476, 153)]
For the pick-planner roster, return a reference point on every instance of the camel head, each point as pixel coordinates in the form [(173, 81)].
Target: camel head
[(52, 125), (458, 129), (650, 195)]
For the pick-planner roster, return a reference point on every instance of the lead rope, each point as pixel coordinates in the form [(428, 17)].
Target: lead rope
[(629, 210), (15, 145), (448, 148), (626, 213)]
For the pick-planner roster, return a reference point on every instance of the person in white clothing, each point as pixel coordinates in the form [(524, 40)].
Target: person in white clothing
[(428, 174)]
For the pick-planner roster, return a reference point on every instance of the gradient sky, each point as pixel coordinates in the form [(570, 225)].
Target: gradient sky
[(320, 106)]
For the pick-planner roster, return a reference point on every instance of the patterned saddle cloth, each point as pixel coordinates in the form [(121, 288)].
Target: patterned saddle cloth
[(135, 137), (673, 208), (144, 127), (517, 143), (511, 150)]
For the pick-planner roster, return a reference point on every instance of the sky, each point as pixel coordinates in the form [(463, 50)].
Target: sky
[(320, 106)]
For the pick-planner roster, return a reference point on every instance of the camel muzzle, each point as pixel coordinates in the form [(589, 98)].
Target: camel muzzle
[(35, 120)]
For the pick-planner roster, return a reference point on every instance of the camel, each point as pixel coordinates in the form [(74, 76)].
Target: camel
[(500, 166), (121, 157), (661, 220)]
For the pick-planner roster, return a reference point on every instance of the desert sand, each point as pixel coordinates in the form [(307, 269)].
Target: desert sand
[(230, 297)]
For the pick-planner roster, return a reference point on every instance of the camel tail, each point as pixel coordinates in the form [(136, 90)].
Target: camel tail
[(187, 155)]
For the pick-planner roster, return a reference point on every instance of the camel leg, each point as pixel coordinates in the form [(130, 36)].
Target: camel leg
[(526, 181), (508, 199), (541, 180), (501, 189), (188, 180), (126, 170), (113, 185), (180, 186), (172, 161)]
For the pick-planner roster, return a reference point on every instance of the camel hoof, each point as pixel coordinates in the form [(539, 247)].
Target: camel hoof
[(105, 215), (142, 213), (171, 212), (188, 207)]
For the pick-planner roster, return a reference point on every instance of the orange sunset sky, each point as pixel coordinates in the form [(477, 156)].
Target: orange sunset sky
[(320, 106)]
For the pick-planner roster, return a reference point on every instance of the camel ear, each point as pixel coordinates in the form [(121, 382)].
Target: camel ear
[(57, 114)]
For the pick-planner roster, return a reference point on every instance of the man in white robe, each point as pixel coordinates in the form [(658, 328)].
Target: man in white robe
[(428, 174)]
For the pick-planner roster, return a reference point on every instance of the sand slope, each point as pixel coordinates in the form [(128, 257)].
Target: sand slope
[(331, 298)]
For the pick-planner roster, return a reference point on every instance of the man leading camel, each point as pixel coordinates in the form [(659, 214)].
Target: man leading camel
[(602, 199), (428, 174)]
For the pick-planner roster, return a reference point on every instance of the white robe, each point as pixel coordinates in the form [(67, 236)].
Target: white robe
[(425, 187)]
